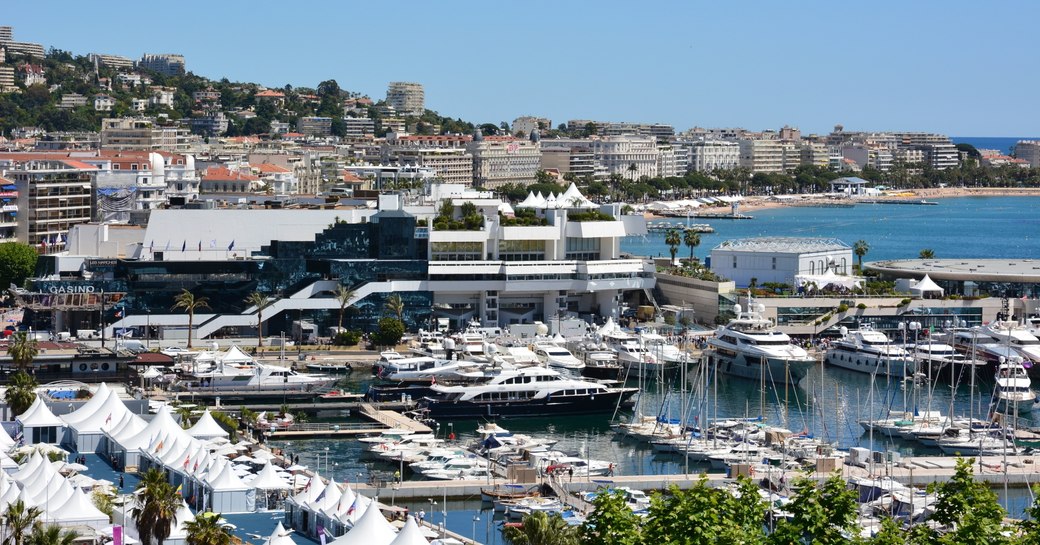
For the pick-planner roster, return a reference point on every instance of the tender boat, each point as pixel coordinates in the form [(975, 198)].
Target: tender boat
[(559, 358)]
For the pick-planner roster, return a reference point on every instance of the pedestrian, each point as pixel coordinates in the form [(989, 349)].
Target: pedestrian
[(570, 473), (120, 481), (422, 515)]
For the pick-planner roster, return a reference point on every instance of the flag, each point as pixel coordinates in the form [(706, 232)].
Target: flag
[(119, 313), (321, 534), (322, 495), (231, 246), (187, 459), (184, 247), (200, 245), (159, 446), (167, 245), (212, 243), (151, 246), (44, 242), (353, 506), (117, 535), (179, 488), (195, 467), (109, 419)]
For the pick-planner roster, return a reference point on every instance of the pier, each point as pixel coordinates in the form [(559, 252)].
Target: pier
[(722, 216)]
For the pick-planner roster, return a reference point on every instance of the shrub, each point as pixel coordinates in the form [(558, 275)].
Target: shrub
[(347, 338), (390, 332), (861, 306), (904, 302), (843, 307), (591, 215)]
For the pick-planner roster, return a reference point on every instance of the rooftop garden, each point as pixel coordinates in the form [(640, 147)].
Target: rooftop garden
[(470, 220), (693, 269), (591, 215), (524, 217)]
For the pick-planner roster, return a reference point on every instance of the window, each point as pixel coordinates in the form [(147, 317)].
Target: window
[(582, 249), (456, 251), (734, 262), (774, 263), (521, 250)]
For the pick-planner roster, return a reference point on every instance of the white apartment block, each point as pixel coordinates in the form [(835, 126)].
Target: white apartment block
[(162, 96), (53, 195), (314, 126), (163, 63), (7, 79), (762, 155), (815, 154), (357, 127), (72, 100), (711, 155), (629, 156), (1028, 150), (138, 104), (452, 165), (500, 160), (406, 98), (104, 103), (578, 161), (671, 161), (112, 61), (141, 133)]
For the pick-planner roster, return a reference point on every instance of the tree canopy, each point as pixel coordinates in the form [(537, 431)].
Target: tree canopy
[(17, 262)]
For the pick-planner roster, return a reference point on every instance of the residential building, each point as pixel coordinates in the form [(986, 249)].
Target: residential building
[(576, 160), (67, 141), (314, 126), (32, 74), (428, 140), (761, 155), (210, 124), (814, 154), (1029, 151), (104, 103), (277, 179), (6, 35), (208, 96), (7, 79), (500, 160), (166, 64), (280, 127), (162, 96), (8, 210), (525, 125), (72, 100), (406, 98), (132, 80), (671, 161), (53, 195), (393, 124), (451, 165), (128, 181), (711, 155), (219, 181), (142, 133), (380, 176), (356, 127), (112, 61), (630, 156), (138, 104), (271, 95), (28, 49)]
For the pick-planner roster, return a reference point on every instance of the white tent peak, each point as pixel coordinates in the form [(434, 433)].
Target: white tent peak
[(371, 529), (207, 428), (410, 534), (38, 415)]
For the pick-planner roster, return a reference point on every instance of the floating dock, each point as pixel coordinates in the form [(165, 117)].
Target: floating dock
[(722, 216), (919, 202)]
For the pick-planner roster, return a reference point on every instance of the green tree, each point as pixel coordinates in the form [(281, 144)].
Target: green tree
[(17, 262), (395, 305), (889, 534), (19, 521), (612, 522), (190, 303), (390, 332), (819, 514), (156, 509), (539, 528), (860, 248), (673, 240), (926, 253), (51, 534), (21, 392), (691, 239), (1030, 526), (968, 509), (207, 530), (343, 295), (23, 349), (258, 300)]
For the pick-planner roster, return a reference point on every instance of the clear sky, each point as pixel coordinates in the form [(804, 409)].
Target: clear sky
[(957, 67)]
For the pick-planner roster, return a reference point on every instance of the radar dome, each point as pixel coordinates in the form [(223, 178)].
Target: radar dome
[(542, 329), (737, 309), (761, 308), (843, 330)]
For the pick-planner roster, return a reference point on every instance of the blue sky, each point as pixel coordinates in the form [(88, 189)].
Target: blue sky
[(958, 67)]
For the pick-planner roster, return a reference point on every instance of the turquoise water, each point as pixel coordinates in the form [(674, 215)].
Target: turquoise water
[(980, 227)]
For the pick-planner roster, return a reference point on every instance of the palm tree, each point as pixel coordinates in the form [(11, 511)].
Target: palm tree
[(395, 305), (187, 301), (207, 530), (19, 520), (23, 349), (539, 528), (672, 239), (632, 169), (259, 300), (343, 295), (21, 392), (51, 534), (860, 248), (927, 253), (156, 509), (692, 239)]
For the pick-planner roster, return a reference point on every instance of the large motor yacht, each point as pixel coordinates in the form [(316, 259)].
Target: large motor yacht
[(750, 346), (869, 351)]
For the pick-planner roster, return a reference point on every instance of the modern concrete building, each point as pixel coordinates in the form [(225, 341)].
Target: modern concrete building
[(142, 133), (451, 165), (53, 195), (576, 160), (500, 160), (7, 79), (167, 64), (70, 101), (760, 155), (779, 259), (629, 156), (406, 98), (314, 126), (356, 127), (112, 61)]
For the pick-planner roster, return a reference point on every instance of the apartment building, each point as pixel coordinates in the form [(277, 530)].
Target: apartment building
[(527, 124), (53, 195), (72, 100), (7, 79), (500, 160), (167, 64), (104, 103), (314, 125), (760, 155), (111, 61), (406, 98), (711, 155), (630, 156), (142, 133), (577, 160), (32, 74), (451, 164), (671, 160), (210, 124), (939, 151), (8, 211), (356, 127)]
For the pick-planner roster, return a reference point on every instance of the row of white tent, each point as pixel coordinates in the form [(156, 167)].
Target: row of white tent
[(38, 483), (571, 198)]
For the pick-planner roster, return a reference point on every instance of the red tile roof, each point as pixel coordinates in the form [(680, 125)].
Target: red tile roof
[(218, 173), (270, 94), (269, 168)]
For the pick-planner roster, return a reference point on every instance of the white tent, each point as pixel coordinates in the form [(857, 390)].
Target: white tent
[(88, 409), (829, 278), (7, 464), (78, 510), (319, 508), (29, 467), (228, 494), (6, 443), (410, 534), (207, 428), (131, 445), (234, 355), (179, 533), (280, 536), (39, 425), (271, 488), (86, 434), (924, 287), (371, 529)]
